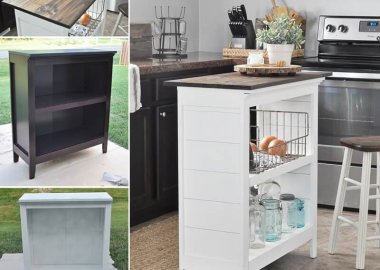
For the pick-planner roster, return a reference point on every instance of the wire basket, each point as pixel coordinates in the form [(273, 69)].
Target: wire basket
[(96, 13), (292, 128)]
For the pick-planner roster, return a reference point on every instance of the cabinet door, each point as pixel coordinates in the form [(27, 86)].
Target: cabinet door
[(167, 156), (143, 188)]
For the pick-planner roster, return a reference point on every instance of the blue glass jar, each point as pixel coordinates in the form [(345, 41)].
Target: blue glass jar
[(273, 219), (289, 212), (300, 203)]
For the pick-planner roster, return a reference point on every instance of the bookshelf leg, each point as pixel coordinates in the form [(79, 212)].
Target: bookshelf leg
[(32, 171), (104, 147), (15, 157)]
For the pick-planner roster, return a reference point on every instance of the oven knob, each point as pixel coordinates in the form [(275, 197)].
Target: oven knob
[(330, 28), (343, 28)]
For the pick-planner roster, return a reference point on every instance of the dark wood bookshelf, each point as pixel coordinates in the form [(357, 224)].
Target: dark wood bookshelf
[(60, 102)]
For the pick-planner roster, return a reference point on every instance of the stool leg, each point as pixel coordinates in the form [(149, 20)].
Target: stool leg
[(363, 210), (378, 193), (117, 23), (340, 199)]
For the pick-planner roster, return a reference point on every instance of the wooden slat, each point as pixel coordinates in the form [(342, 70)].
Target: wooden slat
[(61, 12)]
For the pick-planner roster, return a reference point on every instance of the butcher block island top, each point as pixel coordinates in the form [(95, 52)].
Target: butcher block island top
[(235, 80), (61, 12)]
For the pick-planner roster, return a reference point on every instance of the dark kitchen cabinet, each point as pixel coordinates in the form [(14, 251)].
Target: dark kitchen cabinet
[(60, 102), (154, 146), (7, 17)]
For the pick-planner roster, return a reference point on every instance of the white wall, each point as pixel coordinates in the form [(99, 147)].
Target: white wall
[(214, 33), (142, 11)]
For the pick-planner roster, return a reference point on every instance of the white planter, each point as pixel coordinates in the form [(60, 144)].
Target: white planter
[(280, 52)]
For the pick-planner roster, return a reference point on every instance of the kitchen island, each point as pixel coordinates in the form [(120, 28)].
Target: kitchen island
[(153, 139), (218, 117), (58, 18)]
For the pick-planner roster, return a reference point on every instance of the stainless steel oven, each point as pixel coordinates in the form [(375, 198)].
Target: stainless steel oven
[(349, 106), (349, 100)]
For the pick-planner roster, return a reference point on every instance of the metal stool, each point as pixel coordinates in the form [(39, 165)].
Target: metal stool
[(367, 145), (123, 11)]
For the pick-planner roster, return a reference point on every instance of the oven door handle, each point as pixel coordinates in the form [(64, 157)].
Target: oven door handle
[(352, 75)]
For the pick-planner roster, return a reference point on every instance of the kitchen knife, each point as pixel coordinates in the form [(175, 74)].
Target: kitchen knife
[(240, 14), (244, 12), (230, 15), (234, 14)]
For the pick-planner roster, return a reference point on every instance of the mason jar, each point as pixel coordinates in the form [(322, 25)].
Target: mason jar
[(273, 219), (289, 212), (300, 203), (256, 224)]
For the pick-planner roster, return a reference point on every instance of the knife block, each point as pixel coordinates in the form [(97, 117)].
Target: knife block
[(243, 35)]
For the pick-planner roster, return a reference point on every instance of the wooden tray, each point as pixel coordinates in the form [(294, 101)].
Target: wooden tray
[(243, 53), (267, 69)]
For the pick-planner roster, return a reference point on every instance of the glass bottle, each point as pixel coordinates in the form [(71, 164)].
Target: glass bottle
[(256, 224), (270, 190), (300, 203), (289, 212), (273, 219)]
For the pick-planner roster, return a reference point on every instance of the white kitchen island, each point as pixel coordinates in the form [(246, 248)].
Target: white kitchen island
[(214, 131)]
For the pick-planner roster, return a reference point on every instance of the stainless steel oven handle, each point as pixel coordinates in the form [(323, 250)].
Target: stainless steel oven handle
[(352, 75)]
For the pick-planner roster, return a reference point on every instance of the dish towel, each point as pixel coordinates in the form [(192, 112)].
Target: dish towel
[(135, 88)]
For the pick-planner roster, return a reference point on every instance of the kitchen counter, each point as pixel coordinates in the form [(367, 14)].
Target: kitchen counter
[(195, 60), (62, 12), (235, 80)]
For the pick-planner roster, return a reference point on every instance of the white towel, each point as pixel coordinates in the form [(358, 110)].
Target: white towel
[(134, 89)]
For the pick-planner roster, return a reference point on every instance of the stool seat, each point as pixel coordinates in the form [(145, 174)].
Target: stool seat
[(363, 144), (123, 8)]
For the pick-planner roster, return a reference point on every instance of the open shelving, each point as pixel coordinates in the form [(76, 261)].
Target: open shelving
[(60, 102)]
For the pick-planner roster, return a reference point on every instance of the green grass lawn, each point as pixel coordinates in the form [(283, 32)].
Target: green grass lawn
[(118, 130), (10, 227)]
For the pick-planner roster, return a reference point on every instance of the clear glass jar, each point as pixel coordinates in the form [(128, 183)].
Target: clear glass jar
[(256, 224), (255, 58), (300, 203), (270, 190), (289, 212), (273, 219)]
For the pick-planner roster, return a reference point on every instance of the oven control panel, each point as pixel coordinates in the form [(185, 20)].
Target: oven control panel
[(339, 28)]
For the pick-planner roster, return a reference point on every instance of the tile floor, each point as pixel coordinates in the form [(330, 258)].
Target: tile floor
[(84, 168)]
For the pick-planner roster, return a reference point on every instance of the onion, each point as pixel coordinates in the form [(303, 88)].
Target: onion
[(277, 147), (265, 142)]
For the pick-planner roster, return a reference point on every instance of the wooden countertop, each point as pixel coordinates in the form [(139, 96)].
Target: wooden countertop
[(61, 12), (235, 80), (194, 60)]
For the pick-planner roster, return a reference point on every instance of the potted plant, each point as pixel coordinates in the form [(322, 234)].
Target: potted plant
[(281, 36)]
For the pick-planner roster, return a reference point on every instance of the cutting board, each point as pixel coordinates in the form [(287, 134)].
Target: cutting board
[(267, 69)]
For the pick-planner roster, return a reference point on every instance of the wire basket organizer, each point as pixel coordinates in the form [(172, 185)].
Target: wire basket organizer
[(290, 127), (96, 12)]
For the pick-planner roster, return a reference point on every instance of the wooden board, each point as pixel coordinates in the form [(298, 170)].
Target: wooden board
[(243, 53), (61, 12), (267, 69)]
